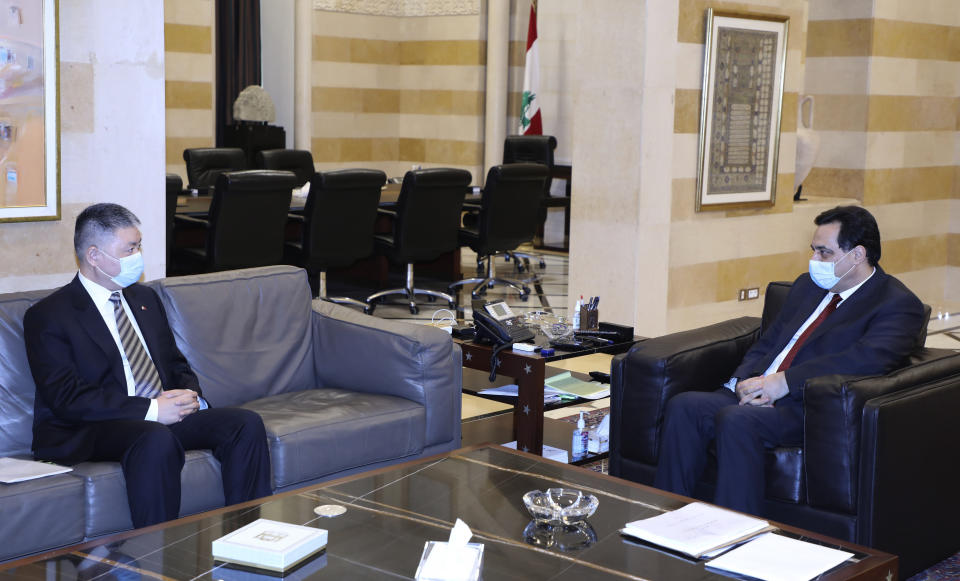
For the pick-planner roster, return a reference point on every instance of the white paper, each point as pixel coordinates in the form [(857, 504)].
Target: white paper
[(777, 558), (694, 529), (13, 470)]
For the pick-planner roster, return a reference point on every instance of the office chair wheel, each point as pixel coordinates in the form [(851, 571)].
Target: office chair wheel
[(453, 305), (368, 310), (543, 263), (414, 310), (520, 267)]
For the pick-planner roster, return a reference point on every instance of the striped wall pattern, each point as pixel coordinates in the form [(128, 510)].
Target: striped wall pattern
[(392, 92), (886, 79), (190, 77), (715, 253)]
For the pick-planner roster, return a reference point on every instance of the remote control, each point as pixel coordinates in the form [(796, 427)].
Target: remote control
[(600, 376)]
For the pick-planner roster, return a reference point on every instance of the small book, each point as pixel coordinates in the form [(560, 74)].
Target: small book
[(269, 544), (697, 528), (14, 470)]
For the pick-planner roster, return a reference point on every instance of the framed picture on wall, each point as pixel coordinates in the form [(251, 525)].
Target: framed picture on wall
[(744, 61), (29, 111)]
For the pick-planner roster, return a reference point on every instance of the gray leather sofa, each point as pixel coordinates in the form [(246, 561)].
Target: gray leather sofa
[(339, 392)]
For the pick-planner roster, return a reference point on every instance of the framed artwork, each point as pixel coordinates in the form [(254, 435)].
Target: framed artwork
[(742, 96), (29, 111)]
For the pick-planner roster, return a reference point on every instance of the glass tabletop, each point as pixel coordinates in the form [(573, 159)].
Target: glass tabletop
[(391, 513)]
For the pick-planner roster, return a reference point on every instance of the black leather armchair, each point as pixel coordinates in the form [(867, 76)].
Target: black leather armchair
[(338, 224), (426, 225), (205, 164), (877, 466), (247, 222), (174, 189), (509, 209), (298, 161), (537, 149)]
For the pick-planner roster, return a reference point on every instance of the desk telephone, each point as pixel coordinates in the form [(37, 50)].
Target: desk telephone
[(500, 325)]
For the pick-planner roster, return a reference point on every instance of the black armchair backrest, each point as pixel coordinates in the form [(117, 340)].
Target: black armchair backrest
[(428, 213), (205, 164), (248, 218), (510, 206), (299, 161), (531, 149), (777, 295), (339, 217)]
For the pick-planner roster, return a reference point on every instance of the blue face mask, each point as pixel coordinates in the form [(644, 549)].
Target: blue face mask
[(824, 273), (131, 269)]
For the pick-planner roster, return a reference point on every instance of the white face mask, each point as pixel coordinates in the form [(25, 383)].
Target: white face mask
[(824, 273), (131, 269)]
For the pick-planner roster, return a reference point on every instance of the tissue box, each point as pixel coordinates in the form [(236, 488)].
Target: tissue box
[(268, 544), (442, 561)]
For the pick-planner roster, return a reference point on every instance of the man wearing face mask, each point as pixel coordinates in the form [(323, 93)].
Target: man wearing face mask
[(845, 316), (112, 385)]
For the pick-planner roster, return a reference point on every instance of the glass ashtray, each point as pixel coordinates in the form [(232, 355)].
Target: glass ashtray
[(561, 537), (560, 505), (555, 327)]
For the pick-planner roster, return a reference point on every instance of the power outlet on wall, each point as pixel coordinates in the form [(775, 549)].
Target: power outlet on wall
[(748, 294)]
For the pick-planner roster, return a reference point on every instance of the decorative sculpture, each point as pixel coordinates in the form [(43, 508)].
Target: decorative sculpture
[(254, 104)]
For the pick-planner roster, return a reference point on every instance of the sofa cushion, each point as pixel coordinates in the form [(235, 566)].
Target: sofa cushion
[(319, 432), (246, 333), (105, 490), (41, 514), (17, 389)]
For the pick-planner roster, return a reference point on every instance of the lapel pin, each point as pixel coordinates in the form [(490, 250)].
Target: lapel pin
[(143, 308)]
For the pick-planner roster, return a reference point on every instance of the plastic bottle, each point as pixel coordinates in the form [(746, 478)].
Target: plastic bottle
[(581, 436), (576, 313)]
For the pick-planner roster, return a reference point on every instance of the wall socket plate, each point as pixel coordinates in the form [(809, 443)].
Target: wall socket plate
[(748, 294)]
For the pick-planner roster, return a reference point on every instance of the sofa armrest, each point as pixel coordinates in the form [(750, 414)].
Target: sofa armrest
[(362, 353), (835, 436), (653, 371)]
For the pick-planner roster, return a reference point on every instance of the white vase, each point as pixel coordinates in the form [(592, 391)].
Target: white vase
[(808, 143)]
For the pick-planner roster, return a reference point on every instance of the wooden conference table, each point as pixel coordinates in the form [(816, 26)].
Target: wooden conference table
[(393, 511)]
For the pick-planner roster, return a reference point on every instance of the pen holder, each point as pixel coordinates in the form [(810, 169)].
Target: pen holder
[(589, 319)]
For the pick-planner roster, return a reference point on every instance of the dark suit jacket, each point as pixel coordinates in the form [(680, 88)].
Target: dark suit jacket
[(79, 372), (872, 332)]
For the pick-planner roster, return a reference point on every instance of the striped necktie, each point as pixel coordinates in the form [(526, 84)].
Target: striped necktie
[(145, 374)]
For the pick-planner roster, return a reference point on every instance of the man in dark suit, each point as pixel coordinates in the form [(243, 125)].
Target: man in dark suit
[(845, 316), (112, 385)]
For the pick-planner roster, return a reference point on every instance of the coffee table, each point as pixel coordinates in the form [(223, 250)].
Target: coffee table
[(391, 512)]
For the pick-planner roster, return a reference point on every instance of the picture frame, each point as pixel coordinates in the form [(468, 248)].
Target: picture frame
[(29, 110), (740, 110)]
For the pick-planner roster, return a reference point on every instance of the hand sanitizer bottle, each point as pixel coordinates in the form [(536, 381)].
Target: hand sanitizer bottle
[(580, 437), (576, 314)]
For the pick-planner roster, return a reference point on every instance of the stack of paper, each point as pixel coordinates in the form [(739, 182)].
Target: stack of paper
[(776, 558), (13, 470), (550, 395), (566, 383), (695, 529)]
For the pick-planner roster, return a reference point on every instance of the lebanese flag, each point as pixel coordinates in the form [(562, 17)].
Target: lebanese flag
[(530, 123)]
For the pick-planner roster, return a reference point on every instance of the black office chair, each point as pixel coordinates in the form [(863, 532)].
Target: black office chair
[(426, 225), (509, 210), (298, 161), (247, 221), (338, 223), (535, 149), (174, 189), (205, 164)]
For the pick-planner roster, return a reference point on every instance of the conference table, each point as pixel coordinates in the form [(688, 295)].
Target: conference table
[(393, 511)]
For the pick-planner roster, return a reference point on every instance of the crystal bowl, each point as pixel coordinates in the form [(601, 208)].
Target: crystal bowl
[(560, 505)]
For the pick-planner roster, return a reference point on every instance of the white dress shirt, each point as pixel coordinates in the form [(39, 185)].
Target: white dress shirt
[(101, 299), (844, 295)]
